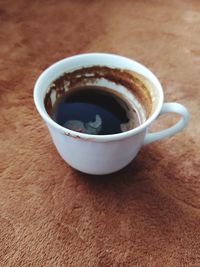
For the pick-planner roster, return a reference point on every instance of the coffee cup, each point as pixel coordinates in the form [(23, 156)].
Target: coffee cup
[(104, 154)]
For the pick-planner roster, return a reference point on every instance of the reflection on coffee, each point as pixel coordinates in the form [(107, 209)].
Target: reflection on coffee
[(94, 110)]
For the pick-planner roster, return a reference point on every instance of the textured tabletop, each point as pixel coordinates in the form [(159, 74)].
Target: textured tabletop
[(146, 215)]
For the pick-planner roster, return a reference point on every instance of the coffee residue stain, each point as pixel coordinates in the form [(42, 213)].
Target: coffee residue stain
[(129, 79)]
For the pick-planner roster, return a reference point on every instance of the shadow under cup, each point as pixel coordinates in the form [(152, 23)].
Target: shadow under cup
[(129, 85)]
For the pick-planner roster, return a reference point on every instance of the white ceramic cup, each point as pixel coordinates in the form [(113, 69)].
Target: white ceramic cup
[(103, 154)]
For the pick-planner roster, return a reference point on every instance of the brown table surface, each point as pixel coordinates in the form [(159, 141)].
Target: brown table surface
[(145, 215)]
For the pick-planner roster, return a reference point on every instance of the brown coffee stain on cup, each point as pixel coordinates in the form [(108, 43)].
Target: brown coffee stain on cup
[(138, 85)]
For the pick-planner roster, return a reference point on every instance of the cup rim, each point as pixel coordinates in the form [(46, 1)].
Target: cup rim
[(98, 138)]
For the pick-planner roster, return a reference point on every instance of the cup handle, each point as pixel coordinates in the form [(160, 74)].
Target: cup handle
[(173, 108)]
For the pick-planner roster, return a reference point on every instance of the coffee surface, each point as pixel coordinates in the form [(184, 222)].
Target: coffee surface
[(94, 110)]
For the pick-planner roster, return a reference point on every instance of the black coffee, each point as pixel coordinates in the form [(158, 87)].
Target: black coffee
[(94, 110)]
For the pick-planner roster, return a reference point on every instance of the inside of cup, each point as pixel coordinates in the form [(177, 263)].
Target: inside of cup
[(138, 90)]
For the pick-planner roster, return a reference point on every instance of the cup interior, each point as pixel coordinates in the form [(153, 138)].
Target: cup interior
[(121, 75)]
